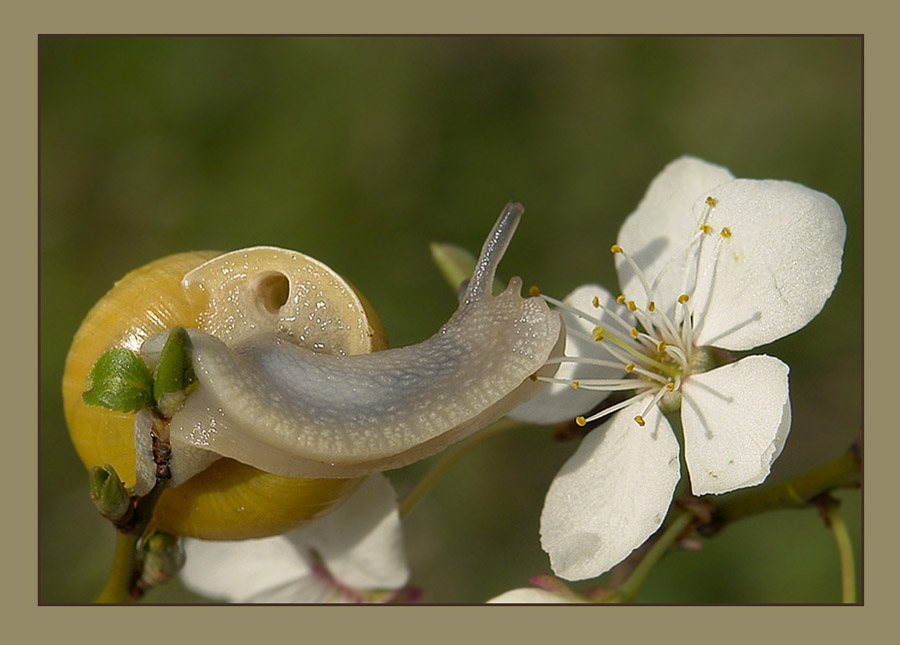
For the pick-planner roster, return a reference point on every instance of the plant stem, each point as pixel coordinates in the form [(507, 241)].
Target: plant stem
[(845, 548), (792, 493), (450, 457), (628, 589), (121, 586), (121, 579)]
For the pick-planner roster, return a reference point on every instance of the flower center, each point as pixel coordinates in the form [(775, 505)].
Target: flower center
[(655, 348)]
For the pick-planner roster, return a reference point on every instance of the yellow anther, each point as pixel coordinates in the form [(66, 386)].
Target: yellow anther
[(534, 291), (574, 385), (670, 387), (580, 421), (726, 232), (598, 333), (706, 229), (630, 367), (615, 248), (634, 332), (661, 347), (632, 306), (620, 299), (640, 421), (533, 377), (683, 298), (651, 306), (712, 201), (595, 301)]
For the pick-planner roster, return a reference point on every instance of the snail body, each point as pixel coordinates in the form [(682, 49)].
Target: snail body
[(293, 387)]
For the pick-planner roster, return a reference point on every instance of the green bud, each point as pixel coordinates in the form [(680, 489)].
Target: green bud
[(163, 558), (109, 493)]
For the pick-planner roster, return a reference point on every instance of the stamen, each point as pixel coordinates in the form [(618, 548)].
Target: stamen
[(646, 340), (632, 306), (621, 350), (676, 353), (584, 361), (534, 291), (580, 421), (621, 299), (651, 306), (726, 232), (668, 327), (711, 260), (634, 332), (559, 304), (585, 316), (609, 385), (596, 302), (609, 410), (659, 395), (706, 229), (599, 384), (687, 321), (633, 353), (598, 333), (653, 376), (640, 420), (637, 271), (629, 367), (712, 201)]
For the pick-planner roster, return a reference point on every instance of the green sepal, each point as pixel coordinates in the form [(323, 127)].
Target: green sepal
[(120, 380), (457, 265), (174, 372)]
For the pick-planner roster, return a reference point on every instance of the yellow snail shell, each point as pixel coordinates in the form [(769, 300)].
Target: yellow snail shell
[(295, 403)]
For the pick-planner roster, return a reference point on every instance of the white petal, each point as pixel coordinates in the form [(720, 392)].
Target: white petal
[(242, 571), (559, 402), (361, 542), (736, 419), (531, 595), (777, 268), (360, 545), (611, 495), (662, 227)]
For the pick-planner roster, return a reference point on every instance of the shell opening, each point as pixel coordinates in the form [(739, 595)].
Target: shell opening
[(271, 290)]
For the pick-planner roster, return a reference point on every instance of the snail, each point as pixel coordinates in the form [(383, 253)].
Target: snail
[(298, 396)]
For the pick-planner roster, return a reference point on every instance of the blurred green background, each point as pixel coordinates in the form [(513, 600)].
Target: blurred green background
[(361, 151)]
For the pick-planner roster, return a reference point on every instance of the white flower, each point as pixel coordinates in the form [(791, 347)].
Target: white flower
[(339, 559), (533, 596), (706, 261)]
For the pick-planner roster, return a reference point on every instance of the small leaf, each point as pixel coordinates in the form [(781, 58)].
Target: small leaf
[(120, 380)]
